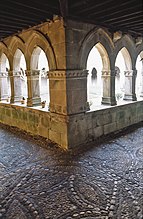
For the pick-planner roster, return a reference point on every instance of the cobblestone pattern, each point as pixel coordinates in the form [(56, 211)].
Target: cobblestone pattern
[(100, 182)]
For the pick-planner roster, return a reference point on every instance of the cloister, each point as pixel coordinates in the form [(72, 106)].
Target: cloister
[(61, 78)]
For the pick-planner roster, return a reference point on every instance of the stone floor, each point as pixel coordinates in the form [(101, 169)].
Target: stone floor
[(101, 180)]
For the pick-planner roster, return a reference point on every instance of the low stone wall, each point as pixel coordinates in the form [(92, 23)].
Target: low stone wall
[(89, 126), (36, 122), (70, 131)]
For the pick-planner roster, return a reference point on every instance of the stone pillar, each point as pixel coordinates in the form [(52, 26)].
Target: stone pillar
[(68, 91), (15, 82), (141, 95), (33, 87), (130, 79), (3, 86), (77, 91), (108, 87)]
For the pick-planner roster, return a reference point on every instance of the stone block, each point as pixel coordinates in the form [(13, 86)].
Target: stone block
[(64, 141), (45, 120), (8, 112), (98, 131), (58, 126), (109, 128), (42, 131), (55, 136)]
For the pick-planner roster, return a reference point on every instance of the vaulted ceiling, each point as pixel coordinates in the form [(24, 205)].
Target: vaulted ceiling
[(124, 15)]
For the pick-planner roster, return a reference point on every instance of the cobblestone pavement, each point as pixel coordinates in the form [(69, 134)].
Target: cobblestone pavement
[(100, 181)]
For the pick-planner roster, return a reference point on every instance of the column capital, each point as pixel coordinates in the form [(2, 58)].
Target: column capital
[(16, 73), (32, 72), (3, 74), (106, 73), (68, 73), (130, 73)]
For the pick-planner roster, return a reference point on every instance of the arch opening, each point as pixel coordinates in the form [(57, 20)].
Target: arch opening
[(40, 62), (97, 62), (4, 68), (19, 66), (123, 63), (139, 77)]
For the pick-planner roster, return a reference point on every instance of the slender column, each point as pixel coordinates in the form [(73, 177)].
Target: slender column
[(68, 91), (33, 87), (108, 87), (15, 82), (130, 79), (3, 86), (142, 81)]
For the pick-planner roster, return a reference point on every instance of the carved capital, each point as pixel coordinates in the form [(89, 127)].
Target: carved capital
[(35, 72), (3, 74), (16, 73), (77, 73), (68, 74), (130, 73), (106, 73), (32, 72), (10, 73)]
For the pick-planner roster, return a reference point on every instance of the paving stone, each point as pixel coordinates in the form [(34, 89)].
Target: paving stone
[(39, 183)]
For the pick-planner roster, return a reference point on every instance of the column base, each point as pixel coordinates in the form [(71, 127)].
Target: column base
[(109, 101), (33, 101), (4, 97), (131, 97), (15, 99)]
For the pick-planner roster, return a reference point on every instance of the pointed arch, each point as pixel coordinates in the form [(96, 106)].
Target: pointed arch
[(37, 39), (139, 49), (126, 42), (17, 58), (92, 38), (16, 43), (3, 49), (3, 62)]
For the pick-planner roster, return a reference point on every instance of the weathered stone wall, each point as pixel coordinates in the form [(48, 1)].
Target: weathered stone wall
[(91, 125), (36, 122), (70, 131)]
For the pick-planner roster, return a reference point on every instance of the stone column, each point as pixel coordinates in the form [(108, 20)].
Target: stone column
[(130, 79), (3, 86), (15, 82), (141, 95), (68, 91), (33, 87), (77, 91), (108, 87)]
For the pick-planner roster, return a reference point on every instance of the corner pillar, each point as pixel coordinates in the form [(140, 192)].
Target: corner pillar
[(33, 85), (3, 86), (108, 88), (68, 91), (77, 91), (130, 79)]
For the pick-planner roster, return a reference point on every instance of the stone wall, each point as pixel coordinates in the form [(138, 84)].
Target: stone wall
[(70, 131), (36, 122), (91, 125)]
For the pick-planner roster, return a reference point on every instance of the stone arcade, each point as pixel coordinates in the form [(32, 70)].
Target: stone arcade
[(69, 122)]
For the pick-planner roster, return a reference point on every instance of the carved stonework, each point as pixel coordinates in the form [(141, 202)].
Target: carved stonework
[(3, 74), (128, 73), (32, 72), (68, 74), (106, 73), (10, 73), (16, 73), (35, 72)]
